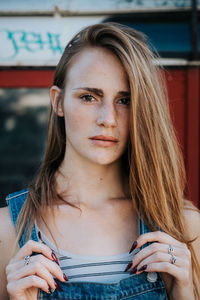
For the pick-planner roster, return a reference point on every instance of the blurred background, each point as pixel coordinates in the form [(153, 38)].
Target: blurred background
[(33, 35)]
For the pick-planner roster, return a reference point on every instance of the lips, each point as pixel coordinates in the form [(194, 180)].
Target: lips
[(104, 138)]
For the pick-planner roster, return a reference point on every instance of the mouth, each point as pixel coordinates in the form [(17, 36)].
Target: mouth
[(104, 138), (104, 141)]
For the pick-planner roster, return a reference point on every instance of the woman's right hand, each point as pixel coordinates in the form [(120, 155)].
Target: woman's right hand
[(24, 280)]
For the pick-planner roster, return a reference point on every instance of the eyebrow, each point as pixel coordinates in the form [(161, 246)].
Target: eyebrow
[(100, 93)]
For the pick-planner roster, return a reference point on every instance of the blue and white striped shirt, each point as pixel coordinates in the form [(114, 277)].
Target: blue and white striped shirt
[(105, 269)]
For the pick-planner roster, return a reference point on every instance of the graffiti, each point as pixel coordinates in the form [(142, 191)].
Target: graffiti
[(30, 41)]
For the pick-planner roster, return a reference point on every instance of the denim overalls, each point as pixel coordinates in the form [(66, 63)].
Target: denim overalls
[(137, 287)]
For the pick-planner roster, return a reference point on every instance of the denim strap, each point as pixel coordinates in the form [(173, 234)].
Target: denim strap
[(15, 202)]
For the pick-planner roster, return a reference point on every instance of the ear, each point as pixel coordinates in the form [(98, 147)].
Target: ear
[(55, 101)]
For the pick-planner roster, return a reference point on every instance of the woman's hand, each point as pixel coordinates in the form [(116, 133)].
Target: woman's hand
[(26, 275), (157, 257)]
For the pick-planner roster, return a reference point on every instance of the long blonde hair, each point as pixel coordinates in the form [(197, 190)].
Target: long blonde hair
[(153, 160)]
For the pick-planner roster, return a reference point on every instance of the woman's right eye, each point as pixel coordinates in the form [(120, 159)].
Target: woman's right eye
[(87, 98)]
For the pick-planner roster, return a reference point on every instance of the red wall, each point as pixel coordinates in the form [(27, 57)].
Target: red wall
[(183, 88)]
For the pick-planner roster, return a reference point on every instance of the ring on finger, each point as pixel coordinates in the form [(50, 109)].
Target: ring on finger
[(171, 249), (26, 260), (172, 259)]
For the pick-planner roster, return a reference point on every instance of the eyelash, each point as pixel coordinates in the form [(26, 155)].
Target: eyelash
[(86, 96), (127, 104)]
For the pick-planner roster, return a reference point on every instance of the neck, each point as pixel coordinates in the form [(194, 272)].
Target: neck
[(91, 184)]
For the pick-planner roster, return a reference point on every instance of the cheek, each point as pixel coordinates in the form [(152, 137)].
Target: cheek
[(77, 118), (72, 122), (125, 126)]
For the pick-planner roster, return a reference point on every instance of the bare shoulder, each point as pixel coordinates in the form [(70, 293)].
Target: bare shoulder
[(7, 239), (191, 218), (7, 230)]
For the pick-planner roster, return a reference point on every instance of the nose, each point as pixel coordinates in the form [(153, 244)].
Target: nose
[(107, 116)]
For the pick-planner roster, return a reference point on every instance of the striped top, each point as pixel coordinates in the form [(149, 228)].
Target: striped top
[(104, 269)]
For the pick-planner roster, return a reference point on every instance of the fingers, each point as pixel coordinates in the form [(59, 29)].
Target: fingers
[(32, 246), (38, 272), (157, 248), (161, 257), (14, 287), (158, 257), (157, 236), (38, 265), (181, 274)]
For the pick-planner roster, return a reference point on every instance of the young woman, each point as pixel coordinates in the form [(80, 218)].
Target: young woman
[(105, 218)]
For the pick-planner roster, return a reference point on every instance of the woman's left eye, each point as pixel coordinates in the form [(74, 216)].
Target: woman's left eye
[(87, 98), (125, 101)]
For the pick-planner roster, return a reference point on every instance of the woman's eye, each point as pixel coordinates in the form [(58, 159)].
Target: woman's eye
[(87, 98), (125, 101)]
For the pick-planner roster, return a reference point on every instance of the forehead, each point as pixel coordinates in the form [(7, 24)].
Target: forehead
[(96, 63)]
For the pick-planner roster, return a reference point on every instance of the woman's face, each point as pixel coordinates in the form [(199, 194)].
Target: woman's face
[(96, 107)]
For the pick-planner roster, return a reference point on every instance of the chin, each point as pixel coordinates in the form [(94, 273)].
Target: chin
[(104, 161)]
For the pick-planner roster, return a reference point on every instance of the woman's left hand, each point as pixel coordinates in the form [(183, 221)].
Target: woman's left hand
[(157, 257)]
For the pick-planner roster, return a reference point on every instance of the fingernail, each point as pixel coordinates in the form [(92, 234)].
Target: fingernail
[(51, 290), (65, 277), (39, 234), (133, 246), (55, 258), (128, 266), (142, 268), (58, 287), (133, 270)]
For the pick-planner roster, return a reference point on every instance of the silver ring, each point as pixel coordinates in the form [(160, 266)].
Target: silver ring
[(26, 260), (172, 259), (171, 249)]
